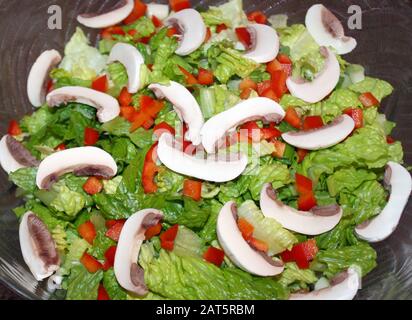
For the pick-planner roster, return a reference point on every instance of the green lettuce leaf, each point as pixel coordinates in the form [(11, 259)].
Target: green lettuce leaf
[(82, 285), (208, 233), (100, 245), (114, 290), (348, 179), (293, 274), (214, 17), (24, 178), (144, 27), (233, 12), (341, 236), (187, 243), (379, 88), (169, 181), (118, 76), (37, 120), (63, 78)]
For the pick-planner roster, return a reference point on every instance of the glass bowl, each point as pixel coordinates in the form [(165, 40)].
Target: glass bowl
[(384, 47)]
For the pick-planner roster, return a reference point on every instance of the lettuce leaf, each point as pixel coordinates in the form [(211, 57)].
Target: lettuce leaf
[(63, 78), (214, 17), (348, 179), (24, 178), (293, 274), (233, 12), (118, 76), (208, 233), (114, 290), (379, 88), (82, 285), (37, 120), (100, 245), (341, 236), (187, 243), (169, 181)]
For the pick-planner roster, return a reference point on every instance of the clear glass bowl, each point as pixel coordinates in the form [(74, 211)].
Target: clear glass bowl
[(384, 47)]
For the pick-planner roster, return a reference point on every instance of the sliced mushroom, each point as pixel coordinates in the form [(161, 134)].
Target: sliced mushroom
[(216, 127), (210, 169), (39, 76), (327, 30), (185, 106), (107, 106), (314, 222), (343, 287), (399, 181), (132, 60), (14, 156), (323, 137), (238, 250), (38, 247), (160, 11), (265, 43), (106, 19), (192, 29), (82, 161), (128, 273), (322, 85)]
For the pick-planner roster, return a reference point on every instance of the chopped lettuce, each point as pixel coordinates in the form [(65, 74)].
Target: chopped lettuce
[(118, 76), (24, 178), (293, 274), (187, 243), (379, 88), (341, 236), (216, 99), (348, 179), (214, 17), (278, 20), (83, 285), (169, 181), (100, 245), (233, 12), (114, 290)]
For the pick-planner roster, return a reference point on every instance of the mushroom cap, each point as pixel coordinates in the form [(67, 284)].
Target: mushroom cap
[(209, 169), (237, 249), (346, 288), (185, 106), (38, 247), (304, 222), (128, 248), (161, 11), (382, 226), (39, 74), (323, 137), (82, 161), (322, 85), (107, 107), (132, 60), (327, 30), (193, 29), (265, 42), (248, 110), (7, 161), (116, 15), (14, 156)]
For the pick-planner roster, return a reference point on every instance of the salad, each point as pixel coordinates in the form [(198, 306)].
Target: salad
[(204, 153)]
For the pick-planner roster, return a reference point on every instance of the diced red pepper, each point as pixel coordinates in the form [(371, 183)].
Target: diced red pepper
[(390, 140), (145, 40), (301, 154), (157, 22), (90, 263), (172, 31), (245, 93), (125, 98), (114, 232), (292, 118), (303, 184), (283, 58), (258, 245), (220, 28), (153, 231), (102, 293), (167, 238), (149, 108), (273, 66), (148, 123), (270, 94), (270, 133), (109, 255), (192, 189), (368, 100), (246, 228), (60, 147), (306, 201), (357, 115), (280, 148), (138, 119), (208, 35), (263, 86), (14, 128), (214, 255), (301, 253), (107, 33), (50, 86), (111, 223), (312, 122), (93, 185), (178, 5), (205, 77), (101, 84), (163, 127), (150, 170), (128, 112), (190, 78), (244, 36), (258, 17), (139, 11), (91, 136), (279, 78), (87, 231), (248, 83), (132, 33)]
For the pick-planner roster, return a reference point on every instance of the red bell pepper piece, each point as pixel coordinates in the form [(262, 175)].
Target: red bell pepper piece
[(139, 11), (273, 66), (280, 148), (252, 130), (301, 253), (171, 31), (208, 35), (125, 98), (258, 17), (192, 189), (292, 118), (109, 255), (107, 33), (214, 255), (101, 84), (153, 231), (178, 5), (93, 185), (50, 86), (205, 77), (301, 154), (303, 184), (157, 22), (167, 238), (390, 140), (306, 201), (90, 263), (357, 115), (245, 93), (163, 127), (244, 36), (14, 128), (128, 112), (60, 147), (150, 169), (91, 136), (283, 59), (270, 133), (271, 94), (221, 27), (248, 84), (87, 231), (279, 78), (114, 232), (258, 245), (263, 86), (312, 122), (190, 78), (368, 100), (246, 228), (102, 293), (111, 223)]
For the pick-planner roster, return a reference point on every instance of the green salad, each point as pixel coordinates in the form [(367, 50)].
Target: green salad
[(126, 195)]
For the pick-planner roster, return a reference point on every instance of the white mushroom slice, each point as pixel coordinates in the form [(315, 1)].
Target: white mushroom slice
[(128, 273), (192, 28), (185, 106), (322, 85), (39, 75), (160, 11), (314, 222), (82, 161), (238, 250), (116, 14), (216, 127), (107, 106), (343, 287), (14, 156), (132, 60), (38, 247), (210, 169), (327, 30), (398, 179), (323, 137), (265, 43)]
